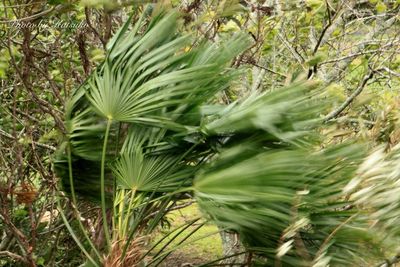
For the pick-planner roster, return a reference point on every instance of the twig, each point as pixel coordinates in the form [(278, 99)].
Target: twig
[(350, 99), (9, 136), (354, 55), (264, 68), (80, 40), (93, 29), (33, 17), (330, 236), (331, 25), (12, 255), (391, 72), (295, 54), (391, 262)]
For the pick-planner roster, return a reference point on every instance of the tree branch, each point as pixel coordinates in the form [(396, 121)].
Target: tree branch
[(350, 99), (12, 255), (391, 262), (391, 72), (9, 136)]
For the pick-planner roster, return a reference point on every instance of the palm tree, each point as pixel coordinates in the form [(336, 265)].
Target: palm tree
[(146, 130), (133, 126)]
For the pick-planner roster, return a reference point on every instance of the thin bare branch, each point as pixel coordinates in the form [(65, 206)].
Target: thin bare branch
[(351, 98)]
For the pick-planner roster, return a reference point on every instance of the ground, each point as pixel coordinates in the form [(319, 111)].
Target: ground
[(201, 247)]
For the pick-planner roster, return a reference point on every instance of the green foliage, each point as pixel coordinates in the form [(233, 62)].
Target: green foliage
[(146, 121), (380, 7), (4, 59), (140, 103), (278, 192), (210, 105)]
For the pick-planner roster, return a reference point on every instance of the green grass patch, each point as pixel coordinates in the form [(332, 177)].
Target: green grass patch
[(202, 246)]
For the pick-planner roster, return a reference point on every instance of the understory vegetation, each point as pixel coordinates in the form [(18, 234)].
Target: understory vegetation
[(199, 133)]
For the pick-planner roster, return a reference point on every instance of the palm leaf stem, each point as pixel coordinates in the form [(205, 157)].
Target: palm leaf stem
[(121, 206), (74, 203), (71, 231), (128, 214), (102, 185)]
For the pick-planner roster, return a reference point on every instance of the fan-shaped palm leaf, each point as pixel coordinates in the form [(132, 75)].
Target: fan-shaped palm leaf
[(147, 79), (276, 190), (286, 203), (146, 118)]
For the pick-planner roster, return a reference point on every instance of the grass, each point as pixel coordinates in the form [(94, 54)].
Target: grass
[(203, 246)]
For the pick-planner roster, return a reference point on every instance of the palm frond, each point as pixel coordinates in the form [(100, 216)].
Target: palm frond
[(147, 119), (286, 204), (276, 189), (149, 78), (375, 189), (286, 115), (136, 170)]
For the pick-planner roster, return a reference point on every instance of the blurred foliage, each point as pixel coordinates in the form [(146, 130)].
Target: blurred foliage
[(50, 48)]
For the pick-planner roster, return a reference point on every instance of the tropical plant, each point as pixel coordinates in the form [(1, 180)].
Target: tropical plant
[(135, 123), (146, 130), (49, 48)]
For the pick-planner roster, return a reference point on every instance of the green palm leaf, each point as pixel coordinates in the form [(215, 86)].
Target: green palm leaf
[(148, 78), (276, 190), (146, 119), (139, 169), (286, 203)]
